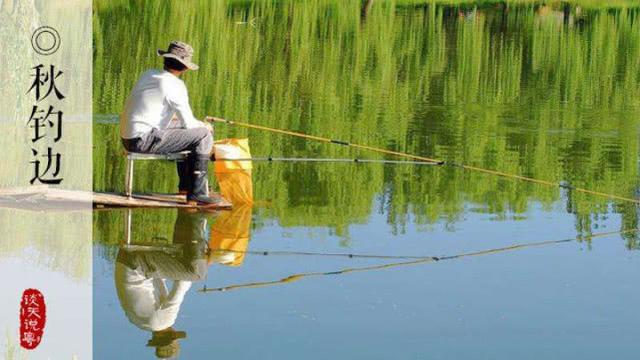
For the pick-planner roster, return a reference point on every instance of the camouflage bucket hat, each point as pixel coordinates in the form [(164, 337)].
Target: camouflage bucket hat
[(181, 52)]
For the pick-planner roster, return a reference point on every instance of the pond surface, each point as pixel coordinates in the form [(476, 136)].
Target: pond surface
[(548, 92)]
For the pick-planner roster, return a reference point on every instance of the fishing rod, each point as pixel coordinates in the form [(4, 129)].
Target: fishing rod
[(323, 139), (424, 260), (560, 184), (332, 160)]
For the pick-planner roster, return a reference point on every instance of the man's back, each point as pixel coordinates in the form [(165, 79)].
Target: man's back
[(152, 103)]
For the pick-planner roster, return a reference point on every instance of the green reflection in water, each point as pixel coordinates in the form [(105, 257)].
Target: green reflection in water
[(546, 92)]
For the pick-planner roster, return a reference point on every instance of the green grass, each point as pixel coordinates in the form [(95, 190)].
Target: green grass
[(588, 4), (518, 91)]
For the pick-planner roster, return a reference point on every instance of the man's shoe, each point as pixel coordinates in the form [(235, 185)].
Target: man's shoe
[(209, 201), (200, 193)]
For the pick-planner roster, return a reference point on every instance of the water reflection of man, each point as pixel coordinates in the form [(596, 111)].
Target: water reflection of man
[(141, 274)]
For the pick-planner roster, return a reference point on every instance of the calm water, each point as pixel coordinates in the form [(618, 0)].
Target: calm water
[(546, 92)]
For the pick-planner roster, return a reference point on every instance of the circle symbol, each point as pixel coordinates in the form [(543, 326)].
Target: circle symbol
[(45, 40)]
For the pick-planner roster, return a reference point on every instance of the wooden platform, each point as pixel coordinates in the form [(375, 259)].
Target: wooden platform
[(43, 198)]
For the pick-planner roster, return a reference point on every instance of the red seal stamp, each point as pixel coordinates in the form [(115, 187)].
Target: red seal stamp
[(33, 316)]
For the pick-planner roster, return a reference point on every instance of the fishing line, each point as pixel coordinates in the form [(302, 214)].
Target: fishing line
[(561, 184), (428, 259), (321, 254)]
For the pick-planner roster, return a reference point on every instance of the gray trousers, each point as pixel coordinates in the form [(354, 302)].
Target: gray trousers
[(198, 141)]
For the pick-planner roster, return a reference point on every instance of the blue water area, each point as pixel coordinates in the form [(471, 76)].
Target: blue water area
[(543, 90), (558, 300)]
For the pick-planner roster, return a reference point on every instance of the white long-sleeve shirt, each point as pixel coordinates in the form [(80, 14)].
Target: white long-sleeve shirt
[(146, 301), (154, 100)]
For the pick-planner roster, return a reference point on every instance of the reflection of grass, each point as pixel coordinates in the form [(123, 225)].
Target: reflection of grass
[(13, 350), (591, 4), (101, 5), (60, 241), (514, 91), (148, 226)]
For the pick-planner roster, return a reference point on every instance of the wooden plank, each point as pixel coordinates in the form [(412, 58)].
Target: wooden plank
[(137, 200), (43, 198), (18, 191), (49, 206), (152, 200), (163, 197)]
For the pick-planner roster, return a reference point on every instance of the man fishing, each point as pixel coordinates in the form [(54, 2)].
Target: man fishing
[(146, 125)]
